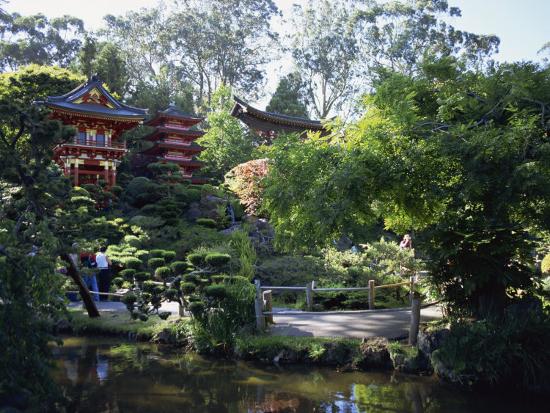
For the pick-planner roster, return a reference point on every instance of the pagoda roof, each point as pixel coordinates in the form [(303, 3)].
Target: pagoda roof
[(172, 112), (271, 121), (161, 131), (91, 99), (160, 147)]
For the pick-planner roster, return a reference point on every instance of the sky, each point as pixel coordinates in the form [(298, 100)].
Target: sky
[(521, 25)]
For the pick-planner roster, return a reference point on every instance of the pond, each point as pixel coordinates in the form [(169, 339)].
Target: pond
[(106, 375)]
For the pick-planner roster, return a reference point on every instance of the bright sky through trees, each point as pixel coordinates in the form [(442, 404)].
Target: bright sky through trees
[(521, 25)]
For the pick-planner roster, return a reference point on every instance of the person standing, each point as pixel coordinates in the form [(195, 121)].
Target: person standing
[(104, 275), (406, 242)]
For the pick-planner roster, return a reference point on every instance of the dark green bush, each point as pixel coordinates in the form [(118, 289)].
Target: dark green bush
[(131, 262), (163, 273), (142, 276), (154, 263), (207, 222), (217, 260), (127, 274), (197, 259), (129, 298), (157, 253), (118, 281), (178, 267), (218, 279), (192, 278), (215, 291), (116, 190), (171, 294), (188, 288), (163, 315), (197, 308), (168, 255)]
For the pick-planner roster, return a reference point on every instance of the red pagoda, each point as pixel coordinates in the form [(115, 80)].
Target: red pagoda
[(99, 119), (174, 141)]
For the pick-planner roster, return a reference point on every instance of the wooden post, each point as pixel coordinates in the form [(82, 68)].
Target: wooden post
[(268, 305), (309, 296), (259, 307), (371, 294), (411, 288), (415, 319)]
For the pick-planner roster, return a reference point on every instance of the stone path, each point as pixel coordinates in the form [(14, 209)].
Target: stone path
[(385, 323)]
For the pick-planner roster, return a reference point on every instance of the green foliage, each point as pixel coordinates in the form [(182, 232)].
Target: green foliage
[(154, 263), (132, 263), (289, 98), (511, 351), (156, 253), (226, 143), (216, 292), (545, 265), (168, 256), (207, 222), (246, 252), (197, 259), (217, 260), (178, 267), (163, 273), (117, 282), (128, 274)]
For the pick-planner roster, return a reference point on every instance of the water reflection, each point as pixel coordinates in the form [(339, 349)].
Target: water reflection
[(106, 376)]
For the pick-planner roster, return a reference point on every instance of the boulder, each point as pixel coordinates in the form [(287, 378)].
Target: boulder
[(430, 339), (410, 360)]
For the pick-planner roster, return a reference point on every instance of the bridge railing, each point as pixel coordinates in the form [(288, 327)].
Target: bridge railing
[(264, 296)]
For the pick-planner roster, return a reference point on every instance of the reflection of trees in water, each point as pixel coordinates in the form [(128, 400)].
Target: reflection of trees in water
[(140, 379)]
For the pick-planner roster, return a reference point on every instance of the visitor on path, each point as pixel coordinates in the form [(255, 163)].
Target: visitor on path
[(406, 242), (104, 276), (89, 277)]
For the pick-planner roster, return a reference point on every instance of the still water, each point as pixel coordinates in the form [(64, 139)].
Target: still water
[(103, 375)]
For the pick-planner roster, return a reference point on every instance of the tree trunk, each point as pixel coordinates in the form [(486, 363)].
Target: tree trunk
[(73, 272)]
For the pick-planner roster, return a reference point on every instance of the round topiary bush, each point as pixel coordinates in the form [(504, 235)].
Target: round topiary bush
[(163, 315), (218, 279), (141, 276), (168, 256), (118, 281), (157, 253), (127, 274), (141, 254), (178, 267), (129, 298), (217, 260), (155, 263), (131, 262), (207, 222), (545, 265), (132, 240), (197, 259), (197, 308), (192, 278), (217, 291), (188, 288), (163, 273), (171, 294)]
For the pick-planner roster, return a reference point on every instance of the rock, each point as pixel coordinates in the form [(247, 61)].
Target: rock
[(430, 340), (375, 354), (410, 360), (63, 326), (231, 229), (193, 212)]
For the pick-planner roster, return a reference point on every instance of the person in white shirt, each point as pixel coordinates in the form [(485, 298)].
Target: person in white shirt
[(104, 276)]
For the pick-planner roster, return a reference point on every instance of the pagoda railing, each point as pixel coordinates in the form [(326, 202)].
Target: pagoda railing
[(96, 144)]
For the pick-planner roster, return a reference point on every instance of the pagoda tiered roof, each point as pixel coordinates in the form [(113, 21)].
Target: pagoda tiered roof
[(173, 113), (271, 122), (92, 100)]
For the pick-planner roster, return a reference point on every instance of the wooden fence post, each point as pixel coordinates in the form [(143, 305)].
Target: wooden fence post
[(411, 288), (259, 307), (371, 294), (415, 319), (309, 296), (268, 300)]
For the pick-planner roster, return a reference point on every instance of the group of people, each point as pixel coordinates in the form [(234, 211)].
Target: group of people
[(98, 282)]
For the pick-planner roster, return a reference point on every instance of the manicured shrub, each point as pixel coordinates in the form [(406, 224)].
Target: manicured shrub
[(163, 315), (163, 273), (132, 240), (141, 254), (157, 253), (192, 278), (127, 274), (116, 190), (142, 276), (218, 279), (217, 260), (178, 267), (188, 288), (131, 262), (207, 222), (197, 308), (168, 255), (129, 298), (171, 294), (197, 259), (217, 291), (118, 281), (155, 262)]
